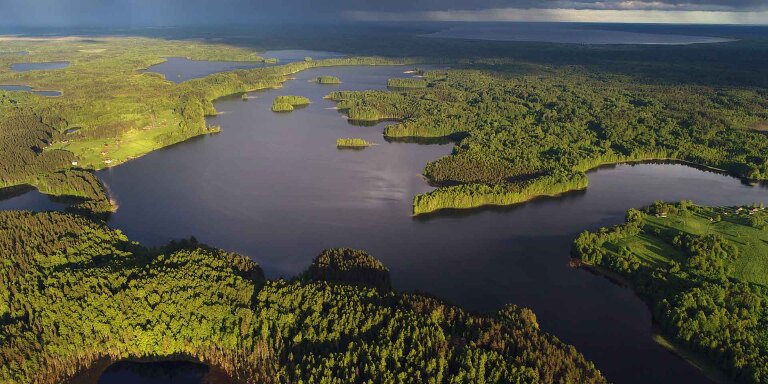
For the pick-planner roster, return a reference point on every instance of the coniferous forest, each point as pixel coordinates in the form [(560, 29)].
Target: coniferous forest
[(76, 292)]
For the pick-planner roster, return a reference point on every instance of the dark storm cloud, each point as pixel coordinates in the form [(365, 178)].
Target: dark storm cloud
[(174, 12)]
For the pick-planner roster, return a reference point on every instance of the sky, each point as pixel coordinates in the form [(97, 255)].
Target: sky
[(181, 12)]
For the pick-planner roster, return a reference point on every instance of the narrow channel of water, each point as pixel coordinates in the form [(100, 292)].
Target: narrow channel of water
[(274, 187)]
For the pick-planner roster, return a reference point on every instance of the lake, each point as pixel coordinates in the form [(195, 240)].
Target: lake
[(566, 33), (274, 187), (20, 198), (25, 88), (179, 69), (23, 67)]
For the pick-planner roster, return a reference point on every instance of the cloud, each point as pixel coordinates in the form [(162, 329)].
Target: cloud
[(616, 13)]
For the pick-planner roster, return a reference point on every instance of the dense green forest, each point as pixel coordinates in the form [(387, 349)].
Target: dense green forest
[(76, 292), (535, 132), (704, 272)]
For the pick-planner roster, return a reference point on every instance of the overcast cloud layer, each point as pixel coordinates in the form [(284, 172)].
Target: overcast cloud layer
[(177, 12)]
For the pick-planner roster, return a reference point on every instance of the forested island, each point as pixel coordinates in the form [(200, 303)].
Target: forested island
[(288, 103), (352, 143), (703, 271), (76, 293), (327, 80)]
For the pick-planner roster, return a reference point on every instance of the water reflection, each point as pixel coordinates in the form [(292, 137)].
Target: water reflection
[(28, 198)]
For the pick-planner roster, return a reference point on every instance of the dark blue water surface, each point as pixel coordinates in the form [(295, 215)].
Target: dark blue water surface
[(178, 69), (25, 88), (27, 198), (167, 372), (274, 187), (568, 33), (23, 67)]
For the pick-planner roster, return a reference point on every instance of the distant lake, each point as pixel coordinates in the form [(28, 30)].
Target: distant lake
[(565, 33), (23, 67), (179, 69), (25, 88)]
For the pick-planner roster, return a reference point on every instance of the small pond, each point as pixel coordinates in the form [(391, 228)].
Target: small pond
[(26, 88), (21, 198), (24, 67)]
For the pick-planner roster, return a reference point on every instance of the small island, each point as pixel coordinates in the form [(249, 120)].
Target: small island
[(327, 80), (400, 82), (288, 103), (352, 143)]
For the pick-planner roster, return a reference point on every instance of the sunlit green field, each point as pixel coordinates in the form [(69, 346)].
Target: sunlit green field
[(111, 110), (751, 264), (121, 112)]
